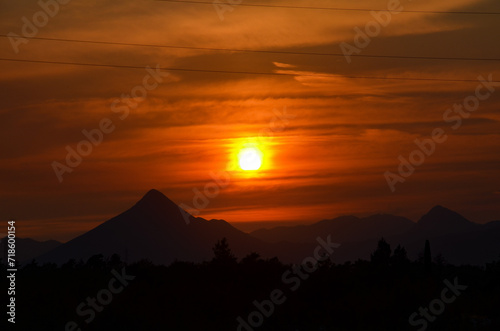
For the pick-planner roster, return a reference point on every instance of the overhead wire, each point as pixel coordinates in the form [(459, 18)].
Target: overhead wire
[(333, 8), (259, 50), (118, 66)]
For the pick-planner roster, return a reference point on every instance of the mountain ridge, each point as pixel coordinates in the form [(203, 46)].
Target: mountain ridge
[(156, 228)]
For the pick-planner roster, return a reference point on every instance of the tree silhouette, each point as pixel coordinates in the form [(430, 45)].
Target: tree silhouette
[(96, 262), (115, 261), (427, 257), (439, 260), (207, 296), (400, 261), (251, 259), (400, 257), (223, 255), (382, 255)]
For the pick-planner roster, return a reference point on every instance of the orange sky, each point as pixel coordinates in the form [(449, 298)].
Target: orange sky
[(327, 159)]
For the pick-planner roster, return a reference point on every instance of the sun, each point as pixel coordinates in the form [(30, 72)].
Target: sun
[(250, 159)]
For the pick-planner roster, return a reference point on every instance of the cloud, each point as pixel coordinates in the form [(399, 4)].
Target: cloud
[(283, 65), (346, 134)]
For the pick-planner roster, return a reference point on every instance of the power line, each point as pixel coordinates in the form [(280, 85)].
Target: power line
[(337, 8), (260, 51), (117, 66)]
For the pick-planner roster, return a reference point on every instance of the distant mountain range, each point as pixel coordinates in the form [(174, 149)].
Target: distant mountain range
[(342, 229), (457, 239), (27, 249), (155, 228)]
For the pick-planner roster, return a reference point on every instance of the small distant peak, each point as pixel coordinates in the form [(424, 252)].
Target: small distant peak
[(345, 218), (216, 220), (440, 214), (439, 210), (219, 222), (348, 218)]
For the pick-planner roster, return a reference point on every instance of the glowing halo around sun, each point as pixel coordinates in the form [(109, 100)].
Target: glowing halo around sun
[(250, 159)]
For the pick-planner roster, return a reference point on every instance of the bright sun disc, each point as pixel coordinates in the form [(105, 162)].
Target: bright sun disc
[(250, 158)]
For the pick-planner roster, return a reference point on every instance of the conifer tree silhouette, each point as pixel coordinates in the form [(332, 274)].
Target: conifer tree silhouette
[(427, 257)]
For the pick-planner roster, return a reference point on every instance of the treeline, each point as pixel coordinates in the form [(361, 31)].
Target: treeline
[(258, 294)]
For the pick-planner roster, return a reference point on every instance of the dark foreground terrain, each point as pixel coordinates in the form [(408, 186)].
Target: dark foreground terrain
[(257, 294)]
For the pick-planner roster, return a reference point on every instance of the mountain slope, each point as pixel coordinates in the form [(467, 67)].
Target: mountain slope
[(442, 221), (27, 249), (154, 228), (342, 229)]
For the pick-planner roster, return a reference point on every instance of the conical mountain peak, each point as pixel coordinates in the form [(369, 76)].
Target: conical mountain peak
[(158, 207), (154, 198), (441, 220), (443, 214), (152, 195)]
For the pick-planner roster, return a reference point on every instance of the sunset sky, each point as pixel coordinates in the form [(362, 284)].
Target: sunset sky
[(325, 159)]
